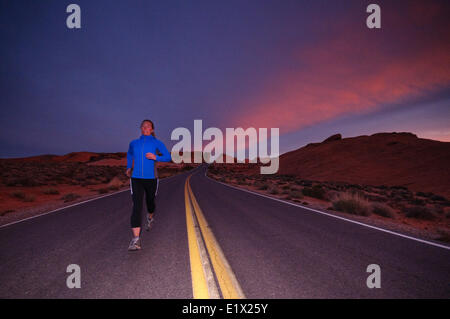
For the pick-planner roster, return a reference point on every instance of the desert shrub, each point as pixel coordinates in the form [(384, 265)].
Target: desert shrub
[(10, 182), (29, 198), (70, 197), (50, 191), (444, 236), (352, 203), (241, 182), (113, 188), (273, 191), (3, 213), (422, 194), (21, 181), (295, 194), (23, 196), (316, 192), (307, 183), (438, 209), (438, 198), (18, 194), (382, 210), (419, 212), (400, 188), (87, 183), (263, 186), (418, 201), (286, 177), (103, 190)]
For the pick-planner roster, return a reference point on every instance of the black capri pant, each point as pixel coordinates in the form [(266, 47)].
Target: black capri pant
[(139, 186)]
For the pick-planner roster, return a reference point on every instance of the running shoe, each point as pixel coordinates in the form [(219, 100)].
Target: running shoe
[(135, 244), (149, 223)]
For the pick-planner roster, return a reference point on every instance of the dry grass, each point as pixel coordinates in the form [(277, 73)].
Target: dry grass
[(383, 210), (50, 191), (316, 192), (23, 196), (352, 203), (419, 212), (70, 197)]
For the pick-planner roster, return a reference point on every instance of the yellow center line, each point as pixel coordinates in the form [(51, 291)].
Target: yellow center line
[(227, 280), (199, 285)]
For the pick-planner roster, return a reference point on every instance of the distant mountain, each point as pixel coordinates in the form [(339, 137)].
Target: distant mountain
[(81, 157), (390, 159)]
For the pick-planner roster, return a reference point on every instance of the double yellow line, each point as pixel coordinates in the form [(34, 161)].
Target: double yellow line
[(199, 235)]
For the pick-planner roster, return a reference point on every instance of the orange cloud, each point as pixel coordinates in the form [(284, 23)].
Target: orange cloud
[(357, 70)]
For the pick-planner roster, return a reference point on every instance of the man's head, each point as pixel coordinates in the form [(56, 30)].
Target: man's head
[(147, 128)]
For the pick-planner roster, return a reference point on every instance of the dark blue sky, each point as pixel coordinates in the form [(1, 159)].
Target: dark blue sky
[(229, 63)]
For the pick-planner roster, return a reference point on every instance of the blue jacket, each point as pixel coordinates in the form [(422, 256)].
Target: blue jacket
[(143, 167)]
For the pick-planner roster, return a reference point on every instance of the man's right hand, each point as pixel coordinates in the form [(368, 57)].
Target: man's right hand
[(128, 172)]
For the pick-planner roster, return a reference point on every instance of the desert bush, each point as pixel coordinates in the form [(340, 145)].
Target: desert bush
[(382, 210), (438, 209), (262, 186), (3, 213), (29, 198), (400, 188), (21, 181), (50, 191), (18, 194), (286, 177), (438, 198), (444, 236), (241, 182), (417, 201), (422, 194), (103, 190), (316, 192), (295, 194), (23, 196), (10, 182), (70, 197), (419, 212), (273, 191), (352, 203)]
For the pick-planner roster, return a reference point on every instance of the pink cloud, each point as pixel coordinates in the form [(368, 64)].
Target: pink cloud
[(356, 70)]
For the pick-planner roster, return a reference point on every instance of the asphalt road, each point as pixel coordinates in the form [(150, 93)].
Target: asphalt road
[(275, 250)]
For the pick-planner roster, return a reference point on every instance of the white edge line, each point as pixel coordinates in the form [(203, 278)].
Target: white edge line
[(83, 202), (334, 216)]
